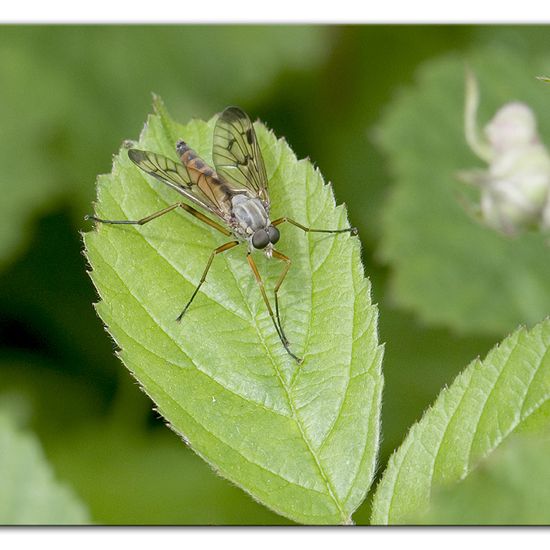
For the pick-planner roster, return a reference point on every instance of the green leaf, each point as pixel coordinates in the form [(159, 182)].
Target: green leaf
[(448, 268), (506, 393), (30, 493), (509, 488), (433, 358), (301, 439)]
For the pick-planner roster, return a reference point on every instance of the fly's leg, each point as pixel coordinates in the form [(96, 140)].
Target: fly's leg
[(271, 314), (215, 252), (286, 259), (205, 219), (282, 257), (193, 212), (143, 221), (351, 230)]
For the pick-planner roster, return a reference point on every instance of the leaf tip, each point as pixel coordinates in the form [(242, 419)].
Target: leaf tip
[(158, 104)]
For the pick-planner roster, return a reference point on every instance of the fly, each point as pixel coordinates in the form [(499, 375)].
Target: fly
[(236, 193)]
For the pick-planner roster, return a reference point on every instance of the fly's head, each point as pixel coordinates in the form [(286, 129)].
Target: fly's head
[(265, 238)]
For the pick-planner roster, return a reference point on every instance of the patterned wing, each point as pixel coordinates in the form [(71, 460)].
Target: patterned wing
[(237, 155), (178, 177)]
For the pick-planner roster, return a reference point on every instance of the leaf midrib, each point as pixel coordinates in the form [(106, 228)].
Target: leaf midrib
[(162, 390), (253, 323), (287, 388)]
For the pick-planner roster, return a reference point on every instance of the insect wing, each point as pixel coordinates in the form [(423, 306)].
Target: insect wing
[(207, 184), (237, 155), (175, 175)]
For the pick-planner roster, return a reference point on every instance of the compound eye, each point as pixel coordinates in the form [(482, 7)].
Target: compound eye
[(260, 239), (273, 233)]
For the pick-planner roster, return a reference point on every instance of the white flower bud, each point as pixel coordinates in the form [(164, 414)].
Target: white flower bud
[(513, 126), (515, 189)]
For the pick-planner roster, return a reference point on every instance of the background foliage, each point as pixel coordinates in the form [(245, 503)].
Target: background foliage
[(342, 96)]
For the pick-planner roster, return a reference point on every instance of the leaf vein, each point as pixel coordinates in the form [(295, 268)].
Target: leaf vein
[(179, 346)]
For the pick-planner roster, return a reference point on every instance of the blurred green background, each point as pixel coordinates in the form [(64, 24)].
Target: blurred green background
[(69, 96)]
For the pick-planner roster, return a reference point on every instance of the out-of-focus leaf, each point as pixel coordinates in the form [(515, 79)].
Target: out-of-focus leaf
[(30, 388), (70, 94), (446, 267), (333, 125), (301, 439), (507, 392), (414, 370), (529, 41), (30, 493), (511, 487), (140, 477), (45, 302), (28, 180), (418, 362)]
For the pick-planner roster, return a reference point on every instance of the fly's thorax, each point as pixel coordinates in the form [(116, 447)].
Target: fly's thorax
[(250, 213)]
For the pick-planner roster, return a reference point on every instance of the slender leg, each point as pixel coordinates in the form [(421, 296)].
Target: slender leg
[(142, 221), (286, 259), (205, 219), (215, 252), (352, 230), (264, 296), (147, 219)]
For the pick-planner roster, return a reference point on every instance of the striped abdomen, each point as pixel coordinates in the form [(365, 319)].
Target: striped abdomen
[(214, 188)]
